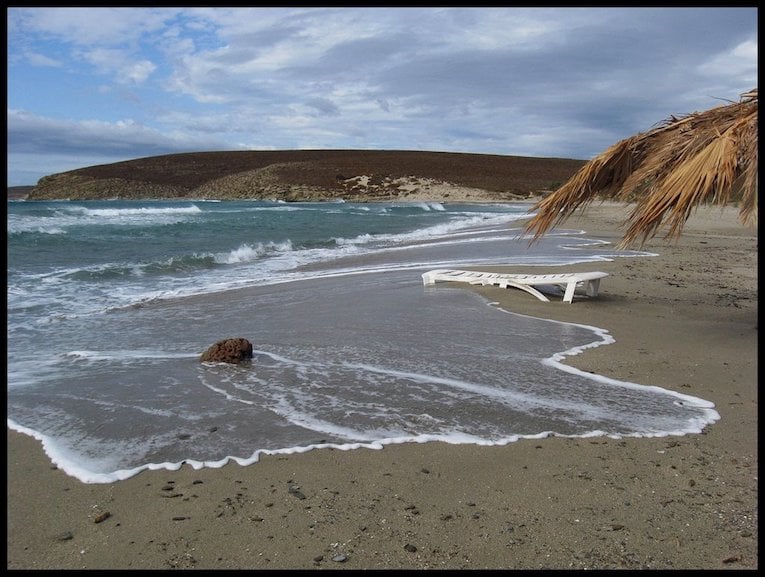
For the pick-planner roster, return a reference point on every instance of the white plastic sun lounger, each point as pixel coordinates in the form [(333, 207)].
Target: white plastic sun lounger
[(526, 282)]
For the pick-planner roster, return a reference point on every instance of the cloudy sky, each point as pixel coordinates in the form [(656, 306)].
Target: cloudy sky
[(98, 85)]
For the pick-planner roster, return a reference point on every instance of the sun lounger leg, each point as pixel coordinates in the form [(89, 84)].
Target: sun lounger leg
[(592, 287), (570, 288), (525, 287)]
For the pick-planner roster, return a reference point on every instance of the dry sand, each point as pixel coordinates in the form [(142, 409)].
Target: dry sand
[(685, 320)]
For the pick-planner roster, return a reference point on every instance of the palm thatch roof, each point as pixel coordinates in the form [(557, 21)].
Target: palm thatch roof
[(702, 158)]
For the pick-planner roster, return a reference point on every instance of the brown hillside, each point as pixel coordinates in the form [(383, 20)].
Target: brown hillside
[(304, 175)]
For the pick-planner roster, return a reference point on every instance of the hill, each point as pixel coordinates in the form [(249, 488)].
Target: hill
[(293, 175)]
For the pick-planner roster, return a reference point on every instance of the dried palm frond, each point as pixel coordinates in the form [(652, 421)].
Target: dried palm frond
[(701, 158)]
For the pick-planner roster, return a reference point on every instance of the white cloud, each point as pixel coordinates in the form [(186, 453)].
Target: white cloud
[(138, 72), (94, 26), (36, 59), (738, 63)]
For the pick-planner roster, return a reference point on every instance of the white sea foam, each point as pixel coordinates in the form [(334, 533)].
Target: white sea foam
[(127, 355), (246, 253), (120, 213)]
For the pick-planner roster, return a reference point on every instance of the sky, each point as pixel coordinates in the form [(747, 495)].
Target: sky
[(88, 86)]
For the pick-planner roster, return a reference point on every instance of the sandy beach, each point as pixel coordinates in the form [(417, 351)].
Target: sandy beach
[(684, 320)]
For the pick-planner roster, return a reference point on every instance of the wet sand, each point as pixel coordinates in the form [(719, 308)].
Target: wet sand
[(685, 320)]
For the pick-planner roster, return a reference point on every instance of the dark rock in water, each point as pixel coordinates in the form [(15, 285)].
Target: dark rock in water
[(228, 351)]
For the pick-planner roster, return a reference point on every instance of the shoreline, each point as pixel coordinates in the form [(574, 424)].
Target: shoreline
[(685, 320)]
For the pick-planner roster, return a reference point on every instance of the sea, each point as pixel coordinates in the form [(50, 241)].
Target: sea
[(111, 303)]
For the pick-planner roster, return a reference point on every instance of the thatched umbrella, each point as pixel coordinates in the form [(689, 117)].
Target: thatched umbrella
[(702, 158)]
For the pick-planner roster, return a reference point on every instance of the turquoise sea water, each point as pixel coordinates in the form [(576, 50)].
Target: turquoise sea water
[(110, 304)]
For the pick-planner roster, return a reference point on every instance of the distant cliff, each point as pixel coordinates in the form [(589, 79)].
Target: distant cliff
[(296, 175)]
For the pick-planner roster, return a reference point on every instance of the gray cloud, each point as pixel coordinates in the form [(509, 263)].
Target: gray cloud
[(30, 134)]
